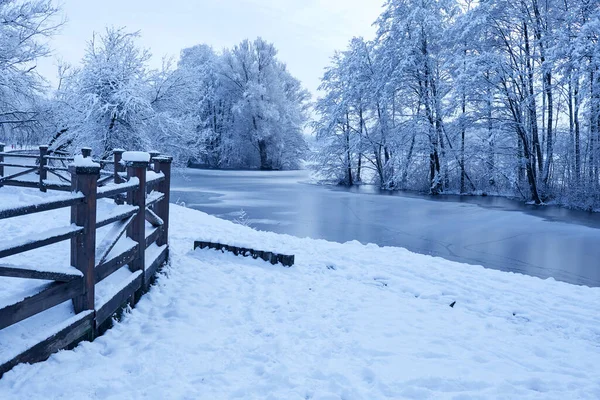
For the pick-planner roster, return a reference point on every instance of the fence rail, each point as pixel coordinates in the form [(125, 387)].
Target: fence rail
[(140, 190)]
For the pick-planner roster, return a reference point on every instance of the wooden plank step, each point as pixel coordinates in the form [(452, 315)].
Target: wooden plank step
[(117, 300), (54, 294), (44, 205), (112, 189), (42, 239), (78, 328), (19, 271), (117, 213)]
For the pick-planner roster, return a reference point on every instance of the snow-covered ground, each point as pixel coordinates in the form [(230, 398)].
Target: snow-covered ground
[(347, 321)]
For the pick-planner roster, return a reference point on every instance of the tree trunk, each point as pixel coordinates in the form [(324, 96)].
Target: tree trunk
[(462, 144), (349, 181), (265, 163), (537, 155), (491, 156), (577, 131)]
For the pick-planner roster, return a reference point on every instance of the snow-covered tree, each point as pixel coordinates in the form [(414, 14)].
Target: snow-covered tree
[(109, 95), (497, 97), (269, 106), (25, 27)]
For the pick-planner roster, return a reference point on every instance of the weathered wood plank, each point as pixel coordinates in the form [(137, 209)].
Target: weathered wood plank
[(163, 165), (14, 271), (41, 206), (43, 173), (111, 239), (4, 164), (83, 247), (8, 178), (58, 158), (111, 190), (54, 294), (62, 177), (59, 186), (268, 256), (18, 155), (153, 235), (155, 179), (110, 266), (67, 337), (107, 178), (63, 169), (155, 265), (20, 183), (28, 243), (152, 218), (136, 171), (154, 198), (129, 211), (118, 300)]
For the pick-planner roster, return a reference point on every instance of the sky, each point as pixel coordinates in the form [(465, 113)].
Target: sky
[(306, 32)]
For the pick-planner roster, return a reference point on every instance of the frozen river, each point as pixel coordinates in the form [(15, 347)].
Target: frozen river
[(493, 232)]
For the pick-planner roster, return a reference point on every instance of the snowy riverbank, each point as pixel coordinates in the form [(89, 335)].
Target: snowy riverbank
[(347, 321)]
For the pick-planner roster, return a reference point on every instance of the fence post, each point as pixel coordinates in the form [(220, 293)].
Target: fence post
[(43, 162), (117, 156), (137, 229), (86, 152), (153, 155), (1, 160), (163, 164), (84, 179)]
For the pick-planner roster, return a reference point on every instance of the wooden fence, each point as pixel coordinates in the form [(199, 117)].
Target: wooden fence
[(140, 190)]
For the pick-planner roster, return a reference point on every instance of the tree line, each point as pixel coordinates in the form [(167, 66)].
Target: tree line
[(476, 97), (236, 108)]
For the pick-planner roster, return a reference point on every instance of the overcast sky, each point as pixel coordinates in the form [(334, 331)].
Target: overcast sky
[(306, 32)]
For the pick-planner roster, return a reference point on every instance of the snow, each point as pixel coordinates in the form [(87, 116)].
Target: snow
[(154, 195), (124, 244), (38, 328), (32, 238), (109, 287), (347, 321), (136, 156), (131, 183), (115, 211), (153, 252), (154, 176), (37, 201), (81, 161)]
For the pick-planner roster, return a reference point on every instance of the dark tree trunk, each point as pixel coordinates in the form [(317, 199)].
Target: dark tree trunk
[(537, 155), (265, 163)]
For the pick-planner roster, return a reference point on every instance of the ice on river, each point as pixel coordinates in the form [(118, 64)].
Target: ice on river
[(347, 321)]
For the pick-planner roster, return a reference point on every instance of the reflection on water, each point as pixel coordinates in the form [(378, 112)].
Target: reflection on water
[(494, 232)]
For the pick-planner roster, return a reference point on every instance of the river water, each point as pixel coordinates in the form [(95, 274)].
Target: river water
[(494, 232)]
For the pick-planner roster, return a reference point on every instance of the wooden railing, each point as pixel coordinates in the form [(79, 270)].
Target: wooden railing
[(140, 191)]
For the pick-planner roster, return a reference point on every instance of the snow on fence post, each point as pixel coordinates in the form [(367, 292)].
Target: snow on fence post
[(163, 164), (43, 172), (137, 163), (84, 179), (1, 160)]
